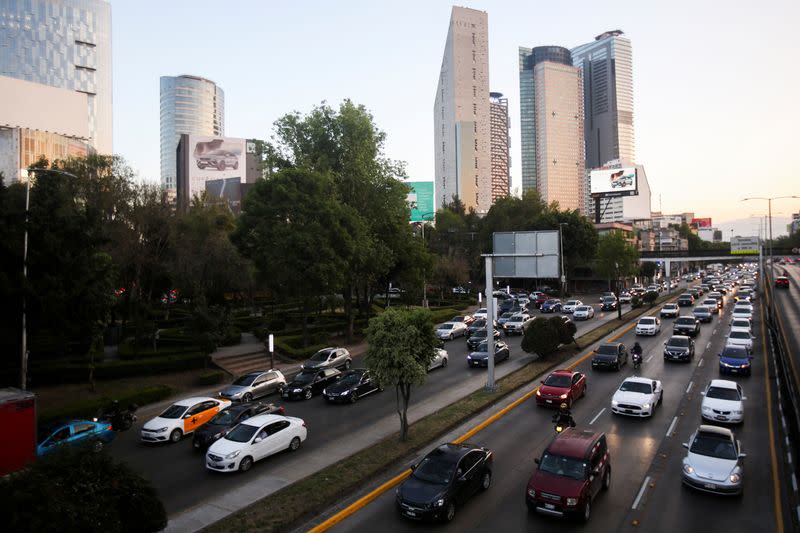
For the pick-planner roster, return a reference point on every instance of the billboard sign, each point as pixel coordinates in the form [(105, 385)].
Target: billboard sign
[(744, 245), (214, 158), (420, 200), (698, 223), (526, 254), (612, 182)]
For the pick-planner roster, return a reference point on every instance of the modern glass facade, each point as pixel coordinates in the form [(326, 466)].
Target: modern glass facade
[(499, 140), (189, 104), (64, 44)]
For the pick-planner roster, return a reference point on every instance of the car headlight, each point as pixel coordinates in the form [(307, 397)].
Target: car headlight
[(232, 455), (614, 403), (297, 390), (532, 493), (646, 406), (563, 397), (217, 436), (735, 478), (738, 412), (572, 502), (706, 409), (345, 393), (688, 469), (159, 430), (538, 392), (439, 502)]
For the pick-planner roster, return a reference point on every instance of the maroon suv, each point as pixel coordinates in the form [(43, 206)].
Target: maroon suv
[(570, 474)]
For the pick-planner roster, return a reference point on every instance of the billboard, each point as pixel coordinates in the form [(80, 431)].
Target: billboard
[(420, 200), (614, 182), (228, 189), (214, 158), (698, 223), (537, 254), (744, 245)]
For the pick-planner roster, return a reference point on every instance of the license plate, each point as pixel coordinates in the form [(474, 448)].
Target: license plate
[(549, 506), (629, 411), (723, 418), (549, 401), (709, 486), (411, 513)]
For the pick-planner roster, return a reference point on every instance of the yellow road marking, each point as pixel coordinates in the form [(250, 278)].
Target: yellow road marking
[(776, 487)]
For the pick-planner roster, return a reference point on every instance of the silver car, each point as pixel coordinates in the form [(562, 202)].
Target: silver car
[(254, 385), (714, 461), (583, 312), (329, 358), (439, 359)]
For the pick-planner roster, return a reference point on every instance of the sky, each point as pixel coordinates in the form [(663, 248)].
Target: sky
[(713, 81)]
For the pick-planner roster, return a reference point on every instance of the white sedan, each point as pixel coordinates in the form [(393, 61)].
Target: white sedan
[(583, 312), (439, 360), (182, 418), (740, 338), (570, 306), (254, 439), (723, 402), (451, 330), (742, 311), (481, 313), (741, 324), (637, 396), (648, 325)]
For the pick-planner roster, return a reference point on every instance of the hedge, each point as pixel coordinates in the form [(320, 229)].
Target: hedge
[(125, 350), (444, 314), (212, 377), (89, 408), (284, 346)]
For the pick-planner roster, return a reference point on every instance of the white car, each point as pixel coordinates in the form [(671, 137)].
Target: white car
[(451, 330), (625, 297), (439, 360), (742, 311), (570, 306), (740, 338), (254, 439), (523, 301), (648, 325), (481, 313), (637, 396), (517, 324), (583, 312), (713, 462), (670, 310), (741, 324), (182, 418), (723, 402)]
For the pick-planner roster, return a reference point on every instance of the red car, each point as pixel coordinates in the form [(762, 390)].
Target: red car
[(782, 282), (562, 386), (539, 299)]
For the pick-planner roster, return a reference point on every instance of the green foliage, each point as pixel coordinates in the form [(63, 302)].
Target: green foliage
[(443, 314), (292, 347), (212, 377), (78, 490), (542, 337), (650, 297), (566, 330), (648, 269), (89, 408), (636, 301), (616, 257)]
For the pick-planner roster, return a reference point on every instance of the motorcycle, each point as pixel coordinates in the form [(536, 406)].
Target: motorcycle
[(121, 419), (563, 421), (637, 361)]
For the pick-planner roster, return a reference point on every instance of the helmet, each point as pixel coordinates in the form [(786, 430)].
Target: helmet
[(563, 405)]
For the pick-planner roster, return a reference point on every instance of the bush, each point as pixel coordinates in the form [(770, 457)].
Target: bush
[(212, 377), (79, 490), (636, 301), (443, 314), (231, 336), (89, 408), (542, 337), (566, 330), (650, 297), (292, 347)]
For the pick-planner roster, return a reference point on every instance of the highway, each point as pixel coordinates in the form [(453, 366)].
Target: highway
[(182, 481), (788, 306), (646, 490)]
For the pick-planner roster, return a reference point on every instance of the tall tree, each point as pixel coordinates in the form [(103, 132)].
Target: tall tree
[(616, 259)]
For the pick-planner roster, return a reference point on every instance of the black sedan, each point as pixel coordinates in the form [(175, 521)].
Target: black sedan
[(480, 357), (445, 479), (679, 348), (478, 337), (225, 420), (352, 385), (609, 303), (477, 325), (686, 325), (610, 355), (307, 383)]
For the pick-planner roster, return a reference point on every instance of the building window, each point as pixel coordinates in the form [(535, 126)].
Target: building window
[(475, 127), (476, 162), (473, 38), (473, 56), (473, 74), (474, 91), (474, 109), (476, 145)]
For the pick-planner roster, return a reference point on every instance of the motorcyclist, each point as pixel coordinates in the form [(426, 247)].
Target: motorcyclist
[(636, 352), (563, 418)]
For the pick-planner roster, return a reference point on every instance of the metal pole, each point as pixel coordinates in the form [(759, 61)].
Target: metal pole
[(23, 371), (271, 352), (424, 277), (490, 386), (561, 256)]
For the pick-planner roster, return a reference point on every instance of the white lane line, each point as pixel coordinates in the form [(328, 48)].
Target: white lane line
[(708, 346), (715, 331), (689, 388), (672, 426), (700, 363), (641, 493), (649, 358), (794, 482), (597, 416), (786, 439), (798, 513), (789, 457)]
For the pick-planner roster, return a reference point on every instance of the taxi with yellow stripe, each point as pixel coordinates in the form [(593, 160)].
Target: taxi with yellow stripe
[(182, 418)]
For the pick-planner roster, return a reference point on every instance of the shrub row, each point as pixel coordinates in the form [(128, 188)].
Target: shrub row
[(292, 347), (212, 377), (89, 408), (126, 350)]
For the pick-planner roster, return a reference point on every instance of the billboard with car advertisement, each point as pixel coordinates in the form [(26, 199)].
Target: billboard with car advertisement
[(420, 200), (214, 158), (614, 182), (698, 223)]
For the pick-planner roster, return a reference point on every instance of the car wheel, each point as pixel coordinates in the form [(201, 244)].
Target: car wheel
[(486, 481), (247, 398), (307, 394), (587, 511), (295, 444), (617, 367), (450, 513), (221, 165), (97, 446), (451, 336), (235, 165), (569, 402), (607, 479), (444, 362), (245, 464), (176, 435), (353, 398)]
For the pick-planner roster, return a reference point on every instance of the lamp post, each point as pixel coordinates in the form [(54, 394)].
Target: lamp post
[(769, 204), (561, 255), (424, 278)]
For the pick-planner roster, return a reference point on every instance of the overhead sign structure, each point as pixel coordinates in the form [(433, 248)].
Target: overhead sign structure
[(614, 182), (745, 245), (420, 200), (537, 252)]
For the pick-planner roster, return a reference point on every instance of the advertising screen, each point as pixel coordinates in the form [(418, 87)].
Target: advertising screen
[(698, 223), (214, 158), (614, 182), (744, 245), (420, 200)]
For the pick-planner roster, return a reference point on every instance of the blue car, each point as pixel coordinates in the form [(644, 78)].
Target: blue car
[(735, 360), (552, 305), (75, 433)]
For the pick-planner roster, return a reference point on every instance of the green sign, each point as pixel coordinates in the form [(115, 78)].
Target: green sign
[(420, 200)]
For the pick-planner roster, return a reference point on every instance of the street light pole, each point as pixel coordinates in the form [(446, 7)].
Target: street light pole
[(561, 256)]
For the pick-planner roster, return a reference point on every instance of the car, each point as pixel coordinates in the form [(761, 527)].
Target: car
[(523, 301), (610, 355), (607, 294), (685, 300), (225, 420), (443, 481), (735, 360), (517, 324), (307, 383), (625, 297), (648, 325), (669, 311), (741, 324), (583, 312), (477, 325), (609, 303), (218, 159), (541, 297), (740, 338), (505, 318), (460, 290), (744, 294), (714, 461), (351, 386), (569, 475), (74, 433), (508, 306), (553, 305), (723, 401), (329, 358), (686, 325), (480, 313), (440, 359), (480, 357), (637, 396), (253, 385), (479, 337), (679, 348), (466, 319), (451, 330), (561, 386), (742, 310), (653, 288), (182, 418), (695, 292), (702, 313), (719, 297), (501, 295), (570, 305), (712, 304), (781, 282), (254, 439)]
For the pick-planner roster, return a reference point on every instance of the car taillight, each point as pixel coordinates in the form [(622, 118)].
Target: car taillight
[(109, 427), (281, 410), (304, 423)]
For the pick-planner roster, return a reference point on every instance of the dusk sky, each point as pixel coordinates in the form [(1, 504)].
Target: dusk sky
[(715, 82)]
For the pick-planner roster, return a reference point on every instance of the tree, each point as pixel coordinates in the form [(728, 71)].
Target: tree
[(616, 259), (648, 269), (542, 337), (566, 329), (401, 347), (650, 297)]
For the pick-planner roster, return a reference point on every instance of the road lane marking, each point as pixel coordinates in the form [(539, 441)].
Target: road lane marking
[(641, 493), (708, 346), (789, 457), (672, 426), (701, 362), (689, 388), (776, 486), (649, 358), (597, 416), (794, 482)]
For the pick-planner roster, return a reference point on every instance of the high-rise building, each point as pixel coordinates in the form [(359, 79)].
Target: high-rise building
[(607, 66), (551, 125), (191, 105), (499, 140), (461, 114)]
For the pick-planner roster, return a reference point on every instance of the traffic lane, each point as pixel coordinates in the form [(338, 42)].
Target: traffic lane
[(753, 511), (787, 305)]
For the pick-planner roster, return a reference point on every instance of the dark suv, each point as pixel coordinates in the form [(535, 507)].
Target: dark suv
[(609, 303), (679, 348), (685, 300), (686, 325), (570, 474), (610, 355)]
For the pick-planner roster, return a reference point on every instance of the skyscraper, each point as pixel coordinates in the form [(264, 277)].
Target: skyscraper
[(499, 140), (461, 113), (607, 67), (551, 124), (189, 104)]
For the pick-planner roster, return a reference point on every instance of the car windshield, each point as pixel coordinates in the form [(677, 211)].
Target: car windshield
[(435, 470), (481, 311), (515, 318), (713, 445), (174, 411), (304, 377), (446, 326), (701, 311), (735, 352), (351, 379), (551, 302), (608, 298), (678, 342), (563, 466), (582, 308), (484, 347), (321, 355), (636, 386), (481, 323), (607, 349), (740, 324), (558, 380), (723, 393), (223, 418), (480, 333), (710, 301), (242, 433), (686, 321), (246, 380), (740, 335), (572, 302), (742, 309), (507, 315), (457, 319), (670, 306), (647, 321)]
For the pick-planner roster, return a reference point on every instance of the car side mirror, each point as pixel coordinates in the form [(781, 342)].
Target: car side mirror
[(257, 440), (537, 461), (742, 455), (413, 467), (744, 398), (187, 416), (685, 445)]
